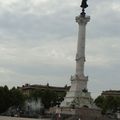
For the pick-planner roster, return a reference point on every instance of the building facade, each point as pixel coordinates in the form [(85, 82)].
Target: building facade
[(27, 88), (114, 93)]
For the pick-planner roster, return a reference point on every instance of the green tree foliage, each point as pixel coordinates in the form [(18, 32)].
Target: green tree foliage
[(8, 98), (108, 103), (4, 98), (100, 101), (49, 98), (16, 97)]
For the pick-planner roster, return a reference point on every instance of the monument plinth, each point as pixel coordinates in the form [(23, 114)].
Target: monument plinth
[(78, 95)]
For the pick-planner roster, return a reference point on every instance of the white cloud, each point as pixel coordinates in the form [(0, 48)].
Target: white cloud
[(38, 42), (103, 52)]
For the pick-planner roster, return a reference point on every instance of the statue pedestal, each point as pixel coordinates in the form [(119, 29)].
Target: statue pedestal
[(78, 96)]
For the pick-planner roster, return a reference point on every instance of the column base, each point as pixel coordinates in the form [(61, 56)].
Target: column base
[(78, 95)]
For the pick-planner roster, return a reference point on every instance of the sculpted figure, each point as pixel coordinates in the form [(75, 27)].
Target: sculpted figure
[(83, 6)]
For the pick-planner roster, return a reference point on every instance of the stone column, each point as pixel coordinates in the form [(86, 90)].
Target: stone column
[(80, 56)]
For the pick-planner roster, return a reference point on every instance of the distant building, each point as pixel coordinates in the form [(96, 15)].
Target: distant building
[(115, 93), (27, 88)]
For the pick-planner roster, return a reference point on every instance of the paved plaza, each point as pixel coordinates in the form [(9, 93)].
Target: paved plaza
[(17, 118)]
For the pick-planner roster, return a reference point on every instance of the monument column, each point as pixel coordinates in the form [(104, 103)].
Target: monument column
[(80, 56), (78, 94)]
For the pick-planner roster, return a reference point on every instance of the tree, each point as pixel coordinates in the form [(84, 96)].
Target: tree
[(16, 97), (4, 99), (99, 101), (49, 98), (108, 103)]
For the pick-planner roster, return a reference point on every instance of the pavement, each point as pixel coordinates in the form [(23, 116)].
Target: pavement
[(18, 118)]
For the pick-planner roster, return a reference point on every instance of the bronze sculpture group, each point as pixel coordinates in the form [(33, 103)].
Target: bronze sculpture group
[(83, 6)]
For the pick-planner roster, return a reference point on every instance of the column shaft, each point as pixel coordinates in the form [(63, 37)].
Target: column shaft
[(80, 56)]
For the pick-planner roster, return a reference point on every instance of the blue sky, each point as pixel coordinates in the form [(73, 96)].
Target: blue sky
[(38, 40)]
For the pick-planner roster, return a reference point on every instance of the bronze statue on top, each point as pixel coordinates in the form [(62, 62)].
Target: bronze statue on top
[(83, 6)]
